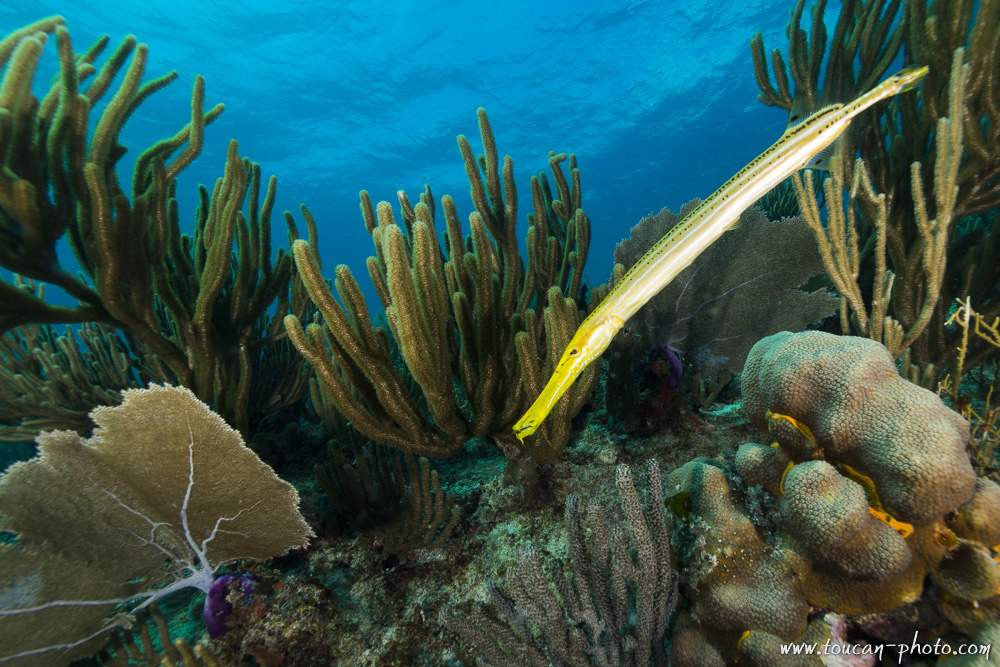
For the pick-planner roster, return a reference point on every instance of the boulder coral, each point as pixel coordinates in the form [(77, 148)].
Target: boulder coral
[(847, 392), (865, 490)]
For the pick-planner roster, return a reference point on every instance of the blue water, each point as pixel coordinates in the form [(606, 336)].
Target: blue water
[(657, 99)]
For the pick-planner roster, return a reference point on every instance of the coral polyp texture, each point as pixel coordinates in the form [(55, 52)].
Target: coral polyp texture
[(847, 391), (865, 490)]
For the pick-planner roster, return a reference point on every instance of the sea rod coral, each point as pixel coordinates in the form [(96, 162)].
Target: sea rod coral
[(476, 326), (905, 154), (194, 303), (611, 608)]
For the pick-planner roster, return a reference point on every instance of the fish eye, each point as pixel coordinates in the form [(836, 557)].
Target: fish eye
[(573, 352)]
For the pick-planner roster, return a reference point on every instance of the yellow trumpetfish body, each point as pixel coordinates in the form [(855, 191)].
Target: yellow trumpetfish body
[(697, 231)]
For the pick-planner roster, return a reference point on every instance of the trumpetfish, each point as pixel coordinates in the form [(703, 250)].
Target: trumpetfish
[(805, 143)]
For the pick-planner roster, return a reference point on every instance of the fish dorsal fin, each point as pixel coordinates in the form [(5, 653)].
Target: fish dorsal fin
[(804, 107), (801, 109), (829, 158)]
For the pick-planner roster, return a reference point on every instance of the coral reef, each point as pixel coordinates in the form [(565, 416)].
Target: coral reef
[(742, 288), (343, 601), (50, 381), (197, 305), (860, 519), (398, 499), (868, 490), (838, 239), (140, 647), (860, 412), (587, 618), (980, 411), (782, 202), (902, 148), (476, 329)]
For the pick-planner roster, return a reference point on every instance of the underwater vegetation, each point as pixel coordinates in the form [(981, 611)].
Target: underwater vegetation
[(477, 328), (195, 309), (924, 163), (241, 462), (592, 619)]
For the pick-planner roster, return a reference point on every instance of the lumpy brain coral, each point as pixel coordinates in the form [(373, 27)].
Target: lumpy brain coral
[(868, 490)]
